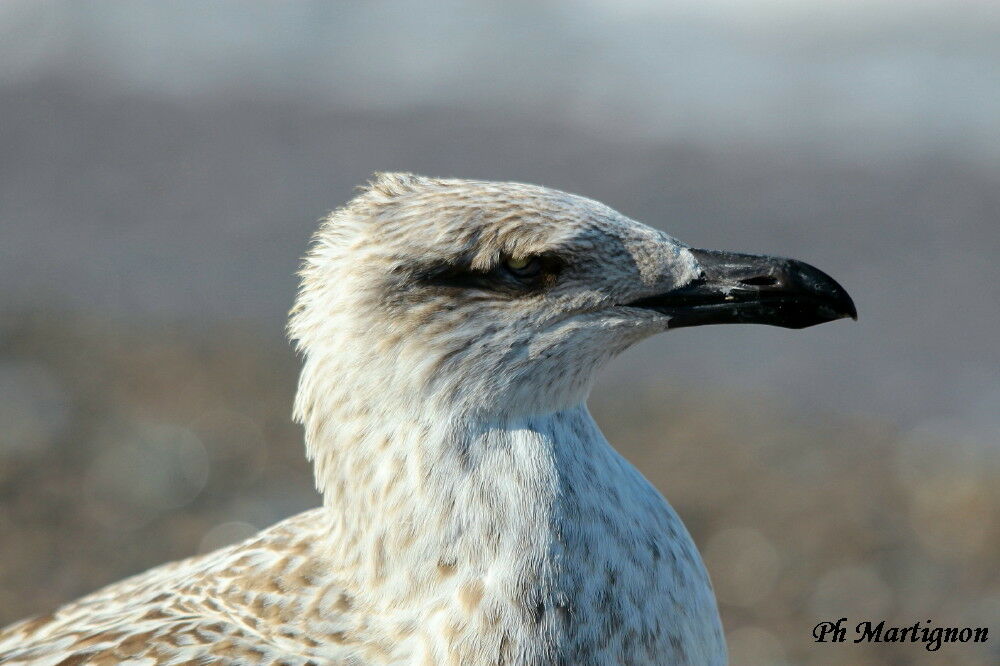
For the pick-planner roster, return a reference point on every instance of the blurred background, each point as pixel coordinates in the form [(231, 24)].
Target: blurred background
[(162, 165)]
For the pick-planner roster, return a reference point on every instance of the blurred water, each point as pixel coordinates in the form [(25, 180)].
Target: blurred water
[(861, 77)]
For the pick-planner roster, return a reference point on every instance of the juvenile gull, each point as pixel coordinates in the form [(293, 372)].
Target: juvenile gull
[(473, 512)]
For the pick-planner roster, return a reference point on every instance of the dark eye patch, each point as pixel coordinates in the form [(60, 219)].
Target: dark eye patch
[(499, 279)]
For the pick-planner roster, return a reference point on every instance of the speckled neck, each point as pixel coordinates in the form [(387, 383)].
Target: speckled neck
[(530, 536)]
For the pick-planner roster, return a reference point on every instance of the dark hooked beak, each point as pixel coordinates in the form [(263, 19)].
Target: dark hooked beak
[(753, 289)]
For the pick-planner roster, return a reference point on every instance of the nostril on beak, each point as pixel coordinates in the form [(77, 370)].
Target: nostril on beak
[(760, 281)]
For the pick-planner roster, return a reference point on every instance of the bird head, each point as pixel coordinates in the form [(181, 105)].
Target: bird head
[(505, 297)]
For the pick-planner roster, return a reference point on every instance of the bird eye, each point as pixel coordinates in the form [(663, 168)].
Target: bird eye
[(523, 267)]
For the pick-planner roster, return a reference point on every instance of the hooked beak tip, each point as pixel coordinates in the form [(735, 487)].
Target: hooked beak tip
[(737, 288)]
